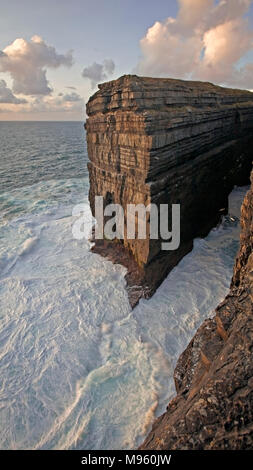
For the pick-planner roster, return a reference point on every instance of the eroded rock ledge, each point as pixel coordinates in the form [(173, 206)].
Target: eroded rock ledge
[(213, 408), (170, 142)]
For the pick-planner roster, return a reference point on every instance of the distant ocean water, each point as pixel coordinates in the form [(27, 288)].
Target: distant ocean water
[(78, 368)]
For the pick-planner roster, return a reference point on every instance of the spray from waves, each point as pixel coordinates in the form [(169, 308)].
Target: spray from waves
[(79, 369)]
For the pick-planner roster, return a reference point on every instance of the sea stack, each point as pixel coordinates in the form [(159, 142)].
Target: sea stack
[(166, 141)]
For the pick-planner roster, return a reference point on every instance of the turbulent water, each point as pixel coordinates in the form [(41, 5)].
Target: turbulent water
[(78, 368)]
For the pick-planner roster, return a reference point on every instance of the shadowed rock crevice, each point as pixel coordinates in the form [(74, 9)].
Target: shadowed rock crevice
[(213, 408), (166, 141)]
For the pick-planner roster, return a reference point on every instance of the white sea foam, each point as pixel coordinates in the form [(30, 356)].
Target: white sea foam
[(28, 245), (78, 368)]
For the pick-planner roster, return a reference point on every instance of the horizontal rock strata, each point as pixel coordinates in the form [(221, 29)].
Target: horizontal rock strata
[(166, 141), (213, 408)]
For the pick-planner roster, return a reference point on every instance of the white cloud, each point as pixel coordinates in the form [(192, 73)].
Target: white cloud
[(98, 72), (109, 66), (206, 41), (63, 102), (27, 62), (47, 105), (6, 95), (71, 97)]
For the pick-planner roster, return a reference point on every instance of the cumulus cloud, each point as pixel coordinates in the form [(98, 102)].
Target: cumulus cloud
[(206, 41), (109, 66), (6, 95), (98, 72), (72, 97), (41, 105), (27, 63), (54, 104), (62, 102)]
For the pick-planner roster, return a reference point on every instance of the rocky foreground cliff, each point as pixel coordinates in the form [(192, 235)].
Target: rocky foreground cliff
[(213, 408), (163, 141)]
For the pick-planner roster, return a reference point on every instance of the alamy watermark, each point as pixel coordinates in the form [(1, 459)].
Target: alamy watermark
[(137, 222)]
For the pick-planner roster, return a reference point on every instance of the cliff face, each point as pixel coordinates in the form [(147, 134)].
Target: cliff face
[(169, 142), (213, 408)]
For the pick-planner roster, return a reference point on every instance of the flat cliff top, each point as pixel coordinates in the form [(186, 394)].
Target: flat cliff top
[(131, 92)]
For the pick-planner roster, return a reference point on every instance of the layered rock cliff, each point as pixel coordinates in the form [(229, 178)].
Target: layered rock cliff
[(169, 142), (213, 408)]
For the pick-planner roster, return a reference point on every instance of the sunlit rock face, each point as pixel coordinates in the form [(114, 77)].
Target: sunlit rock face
[(165, 141)]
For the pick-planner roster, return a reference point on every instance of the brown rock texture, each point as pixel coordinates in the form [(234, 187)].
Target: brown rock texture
[(166, 141), (213, 408)]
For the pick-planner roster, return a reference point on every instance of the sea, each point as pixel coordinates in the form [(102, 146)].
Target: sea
[(78, 368)]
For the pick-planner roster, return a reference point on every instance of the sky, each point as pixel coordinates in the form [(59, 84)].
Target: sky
[(54, 53)]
